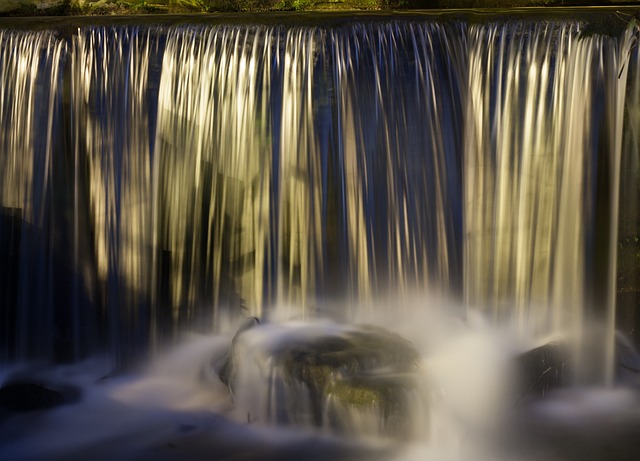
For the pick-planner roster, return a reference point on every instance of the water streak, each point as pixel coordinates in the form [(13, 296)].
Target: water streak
[(545, 116), (112, 169), (30, 196)]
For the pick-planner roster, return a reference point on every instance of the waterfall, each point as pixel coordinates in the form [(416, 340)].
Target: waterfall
[(544, 118), (30, 65), (156, 179), (111, 175)]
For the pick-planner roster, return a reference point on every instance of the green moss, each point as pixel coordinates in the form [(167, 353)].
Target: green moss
[(350, 393), (137, 7), (111, 7), (142, 6), (338, 362), (386, 395), (355, 368), (313, 361), (295, 5)]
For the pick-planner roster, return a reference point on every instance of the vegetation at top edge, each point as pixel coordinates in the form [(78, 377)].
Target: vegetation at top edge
[(123, 7), (105, 7)]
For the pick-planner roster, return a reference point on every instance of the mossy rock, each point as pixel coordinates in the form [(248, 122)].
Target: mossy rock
[(322, 362), (346, 354), (311, 371), (387, 397)]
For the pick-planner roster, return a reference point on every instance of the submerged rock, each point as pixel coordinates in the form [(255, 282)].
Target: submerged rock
[(342, 378), (23, 396)]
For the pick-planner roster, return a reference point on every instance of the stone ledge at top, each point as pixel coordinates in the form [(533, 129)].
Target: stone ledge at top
[(105, 7)]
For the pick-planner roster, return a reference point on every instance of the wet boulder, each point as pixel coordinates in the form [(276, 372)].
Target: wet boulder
[(226, 368), (546, 368), (342, 378), (627, 361), (378, 403), (29, 395), (540, 370)]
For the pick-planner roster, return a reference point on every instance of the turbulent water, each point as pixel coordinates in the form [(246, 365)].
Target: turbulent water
[(156, 180)]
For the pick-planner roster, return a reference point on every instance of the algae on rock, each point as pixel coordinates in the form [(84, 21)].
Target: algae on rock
[(342, 378)]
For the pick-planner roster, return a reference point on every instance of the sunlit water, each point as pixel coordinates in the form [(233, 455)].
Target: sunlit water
[(443, 180)]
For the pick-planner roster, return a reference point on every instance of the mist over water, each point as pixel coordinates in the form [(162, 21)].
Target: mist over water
[(455, 183), (175, 407)]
